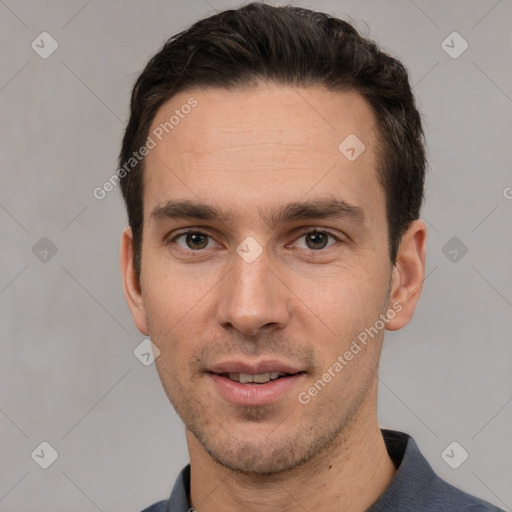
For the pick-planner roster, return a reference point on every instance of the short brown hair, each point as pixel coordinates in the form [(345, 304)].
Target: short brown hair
[(289, 46)]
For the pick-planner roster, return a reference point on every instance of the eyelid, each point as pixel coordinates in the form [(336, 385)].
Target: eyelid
[(321, 230), (314, 229), (300, 233), (196, 231)]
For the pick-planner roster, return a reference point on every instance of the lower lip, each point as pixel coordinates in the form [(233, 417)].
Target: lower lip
[(255, 394)]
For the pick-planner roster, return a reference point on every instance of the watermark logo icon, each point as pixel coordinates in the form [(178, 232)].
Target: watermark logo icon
[(44, 455), (44, 250), (454, 249), (44, 45), (454, 45), (454, 455), (351, 147), (146, 352), (249, 250)]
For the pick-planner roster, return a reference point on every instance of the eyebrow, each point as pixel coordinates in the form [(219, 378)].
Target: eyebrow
[(328, 208)]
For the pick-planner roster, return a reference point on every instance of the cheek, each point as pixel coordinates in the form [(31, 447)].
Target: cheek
[(339, 308), (352, 293), (172, 294), (171, 308)]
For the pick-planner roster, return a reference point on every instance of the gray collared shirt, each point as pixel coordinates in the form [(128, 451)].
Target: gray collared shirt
[(414, 488)]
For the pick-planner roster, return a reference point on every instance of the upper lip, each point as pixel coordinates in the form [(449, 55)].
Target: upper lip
[(254, 368)]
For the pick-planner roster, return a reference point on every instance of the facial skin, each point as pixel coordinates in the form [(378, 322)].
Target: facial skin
[(302, 301)]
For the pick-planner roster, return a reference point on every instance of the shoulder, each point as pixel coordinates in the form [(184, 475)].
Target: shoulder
[(416, 486), (178, 500), (444, 496), (161, 506)]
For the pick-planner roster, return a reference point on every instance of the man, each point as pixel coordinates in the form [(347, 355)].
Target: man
[(273, 170)]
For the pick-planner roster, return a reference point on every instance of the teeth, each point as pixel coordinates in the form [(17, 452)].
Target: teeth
[(259, 378), (246, 378)]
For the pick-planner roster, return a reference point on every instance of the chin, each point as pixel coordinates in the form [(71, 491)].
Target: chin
[(250, 460), (260, 455)]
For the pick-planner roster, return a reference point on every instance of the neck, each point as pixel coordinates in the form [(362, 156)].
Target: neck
[(349, 476)]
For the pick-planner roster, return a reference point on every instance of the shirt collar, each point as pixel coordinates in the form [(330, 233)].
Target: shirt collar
[(411, 478)]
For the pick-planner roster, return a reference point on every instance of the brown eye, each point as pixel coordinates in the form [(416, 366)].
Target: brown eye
[(317, 240), (194, 240)]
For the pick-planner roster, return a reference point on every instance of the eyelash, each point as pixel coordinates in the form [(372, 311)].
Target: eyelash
[(322, 231)]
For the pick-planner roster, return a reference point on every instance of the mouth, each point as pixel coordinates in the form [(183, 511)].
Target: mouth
[(256, 378), (255, 384)]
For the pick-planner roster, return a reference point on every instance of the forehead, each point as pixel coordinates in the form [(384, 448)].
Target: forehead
[(263, 145)]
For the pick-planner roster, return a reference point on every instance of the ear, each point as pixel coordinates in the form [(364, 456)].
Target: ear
[(408, 275), (131, 283)]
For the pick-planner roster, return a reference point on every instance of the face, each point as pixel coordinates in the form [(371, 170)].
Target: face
[(265, 255)]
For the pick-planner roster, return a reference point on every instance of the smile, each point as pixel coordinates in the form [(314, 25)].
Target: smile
[(258, 378), (256, 389)]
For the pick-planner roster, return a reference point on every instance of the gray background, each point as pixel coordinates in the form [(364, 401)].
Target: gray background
[(68, 373)]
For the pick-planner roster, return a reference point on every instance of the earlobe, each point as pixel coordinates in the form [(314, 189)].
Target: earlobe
[(408, 274), (131, 283)]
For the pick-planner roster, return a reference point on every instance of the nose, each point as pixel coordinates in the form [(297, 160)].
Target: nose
[(253, 297)]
